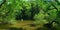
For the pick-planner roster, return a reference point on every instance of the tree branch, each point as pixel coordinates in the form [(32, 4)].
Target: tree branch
[(2, 3)]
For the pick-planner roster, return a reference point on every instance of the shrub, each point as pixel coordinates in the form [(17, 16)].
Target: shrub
[(39, 18)]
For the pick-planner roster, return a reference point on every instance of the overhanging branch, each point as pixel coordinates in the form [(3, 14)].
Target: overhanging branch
[(2, 3)]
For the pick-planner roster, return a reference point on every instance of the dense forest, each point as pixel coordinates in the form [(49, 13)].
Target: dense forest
[(39, 11)]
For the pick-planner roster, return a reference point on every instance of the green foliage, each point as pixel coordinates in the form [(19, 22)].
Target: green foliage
[(39, 10), (40, 17), (47, 13), (52, 14)]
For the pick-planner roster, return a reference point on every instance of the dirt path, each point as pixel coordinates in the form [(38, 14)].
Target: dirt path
[(25, 25), (22, 24)]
